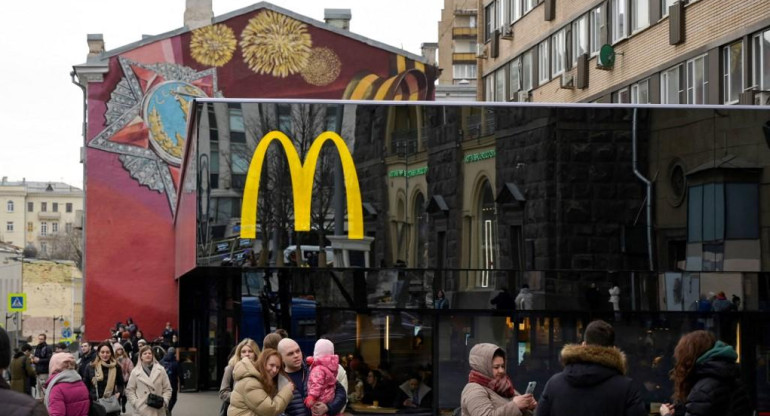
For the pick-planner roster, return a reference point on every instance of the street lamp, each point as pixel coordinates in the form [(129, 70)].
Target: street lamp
[(15, 318), (60, 318)]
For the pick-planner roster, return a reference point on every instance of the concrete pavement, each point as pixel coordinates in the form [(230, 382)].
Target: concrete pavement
[(202, 403)]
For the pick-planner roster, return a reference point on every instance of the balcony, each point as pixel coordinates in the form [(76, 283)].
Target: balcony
[(46, 215), (464, 32), (468, 57), (466, 12)]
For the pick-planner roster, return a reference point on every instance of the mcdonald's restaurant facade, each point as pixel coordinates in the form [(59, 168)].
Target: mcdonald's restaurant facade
[(468, 200), (136, 99)]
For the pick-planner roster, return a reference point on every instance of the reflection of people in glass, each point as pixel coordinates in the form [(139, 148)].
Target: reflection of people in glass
[(489, 390), (706, 378), (441, 301), (377, 389)]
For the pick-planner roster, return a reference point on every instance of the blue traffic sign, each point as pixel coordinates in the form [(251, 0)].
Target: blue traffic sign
[(17, 302)]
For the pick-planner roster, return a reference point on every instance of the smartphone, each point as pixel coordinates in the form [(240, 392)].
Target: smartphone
[(531, 387)]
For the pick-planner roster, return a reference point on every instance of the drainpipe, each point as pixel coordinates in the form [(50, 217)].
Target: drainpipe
[(648, 183), (82, 265)]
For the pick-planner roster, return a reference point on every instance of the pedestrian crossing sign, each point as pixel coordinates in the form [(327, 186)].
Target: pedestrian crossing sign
[(17, 302)]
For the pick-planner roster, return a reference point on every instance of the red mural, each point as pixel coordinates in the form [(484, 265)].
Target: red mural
[(137, 128)]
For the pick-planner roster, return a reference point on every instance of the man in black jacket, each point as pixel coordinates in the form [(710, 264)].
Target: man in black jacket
[(42, 356), (298, 373), (593, 381), (87, 355), (11, 402)]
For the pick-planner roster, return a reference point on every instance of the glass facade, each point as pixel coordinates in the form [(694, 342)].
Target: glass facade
[(474, 201)]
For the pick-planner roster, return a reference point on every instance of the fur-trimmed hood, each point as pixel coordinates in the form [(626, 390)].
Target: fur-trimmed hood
[(587, 365)]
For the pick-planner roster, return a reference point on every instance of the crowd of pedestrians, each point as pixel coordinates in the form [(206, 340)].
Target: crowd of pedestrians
[(102, 380)]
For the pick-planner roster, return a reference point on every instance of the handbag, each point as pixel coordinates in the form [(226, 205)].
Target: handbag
[(155, 401), (104, 405)]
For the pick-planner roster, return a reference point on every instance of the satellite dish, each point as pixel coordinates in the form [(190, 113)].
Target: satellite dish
[(606, 58)]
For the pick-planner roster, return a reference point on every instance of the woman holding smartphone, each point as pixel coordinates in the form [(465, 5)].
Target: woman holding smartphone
[(489, 390)]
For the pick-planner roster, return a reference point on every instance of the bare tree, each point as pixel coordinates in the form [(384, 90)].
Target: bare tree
[(67, 245)]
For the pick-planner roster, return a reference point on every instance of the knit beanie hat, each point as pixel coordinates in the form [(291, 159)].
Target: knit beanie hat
[(5, 349), (117, 346), (60, 361), (323, 347)]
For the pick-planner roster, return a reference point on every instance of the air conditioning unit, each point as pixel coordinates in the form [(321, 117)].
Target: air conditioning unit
[(523, 96), (762, 98), (507, 32), (567, 81), (481, 50)]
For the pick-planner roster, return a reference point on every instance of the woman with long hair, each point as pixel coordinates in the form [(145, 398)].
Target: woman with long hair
[(148, 377), (246, 348), (489, 390), (105, 378), (126, 366), (65, 394), (706, 379), (256, 390)]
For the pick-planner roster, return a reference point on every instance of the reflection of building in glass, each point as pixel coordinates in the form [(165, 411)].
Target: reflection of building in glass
[(473, 200)]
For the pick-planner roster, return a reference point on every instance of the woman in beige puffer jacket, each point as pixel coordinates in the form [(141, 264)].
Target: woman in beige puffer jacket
[(141, 384), (256, 390), (489, 391)]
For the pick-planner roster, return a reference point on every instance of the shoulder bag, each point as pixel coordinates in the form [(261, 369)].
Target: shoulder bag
[(108, 405), (155, 401)]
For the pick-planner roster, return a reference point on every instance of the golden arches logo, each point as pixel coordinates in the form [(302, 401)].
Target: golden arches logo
[(302, 183)]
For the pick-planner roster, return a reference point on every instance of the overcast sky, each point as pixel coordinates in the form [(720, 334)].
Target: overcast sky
[(41, 110)]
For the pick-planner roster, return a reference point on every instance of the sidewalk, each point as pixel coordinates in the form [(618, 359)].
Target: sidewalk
[(202, 403)]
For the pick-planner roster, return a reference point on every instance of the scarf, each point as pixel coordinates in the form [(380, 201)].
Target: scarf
[(66, 376), (147, 368), (501, 386), (111, 374)]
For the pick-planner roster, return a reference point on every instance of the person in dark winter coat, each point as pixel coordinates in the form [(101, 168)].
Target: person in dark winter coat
[(593, 381), (171, 365), (42, 356), (706, 379), (22, 371), (504, 301), (87, 356), (12, 402), (298, 374)]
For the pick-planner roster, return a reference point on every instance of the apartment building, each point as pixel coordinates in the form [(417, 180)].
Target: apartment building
[(457, 46), (624, 51), (40, 214)]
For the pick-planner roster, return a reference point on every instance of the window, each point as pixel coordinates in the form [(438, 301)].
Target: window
[(515, 79), (30, 206), (214, 164), (68, 207), (671, 85), (54, 227), (464, 71), (718, 211), (9, 226), (68, 227), (640, 92), (733, 72), (664, 5), (526, 71), (559, 52), (529, 5), (502, 14), (697, 80), (619, 16), (284, 118), (597, 22), (55, 207), (30, 227), (237, 131), (760, 57), (43, 228), (640, 14), (579, 38), (9, 206), (489, 20), (43, 248), (489, 88), (542, 60), (487, 230), (500, 84), (43, 206), (622, 96), (515, 8)]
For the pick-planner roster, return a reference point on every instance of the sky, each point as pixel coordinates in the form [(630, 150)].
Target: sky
[(41, 111)]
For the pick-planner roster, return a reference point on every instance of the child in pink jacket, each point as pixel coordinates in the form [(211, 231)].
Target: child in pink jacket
[(323, 373)]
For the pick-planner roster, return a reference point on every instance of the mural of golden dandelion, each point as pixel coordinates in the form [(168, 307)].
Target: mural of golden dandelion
[(275, 44), (322, 68), (213, 45)]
